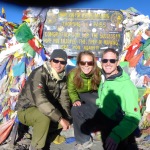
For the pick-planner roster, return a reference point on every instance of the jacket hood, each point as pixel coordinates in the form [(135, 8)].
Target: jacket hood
[(121, 74)]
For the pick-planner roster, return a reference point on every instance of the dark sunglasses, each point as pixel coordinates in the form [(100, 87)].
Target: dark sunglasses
[(110, 60), (89, 63), (59, 61)]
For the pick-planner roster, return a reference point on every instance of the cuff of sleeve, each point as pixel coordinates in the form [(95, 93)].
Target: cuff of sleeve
[(56, 115), (59, 119), (76, 100), (115, 137)]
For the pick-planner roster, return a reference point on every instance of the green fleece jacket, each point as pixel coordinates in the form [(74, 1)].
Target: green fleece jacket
[(72, 90), (118, 100)]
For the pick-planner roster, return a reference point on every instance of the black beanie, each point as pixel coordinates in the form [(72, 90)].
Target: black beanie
[(58, 53)]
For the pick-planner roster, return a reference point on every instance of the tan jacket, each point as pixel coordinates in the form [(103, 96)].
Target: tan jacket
[(45, 90)]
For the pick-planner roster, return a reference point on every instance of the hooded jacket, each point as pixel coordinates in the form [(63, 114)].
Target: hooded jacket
[(118, 100), (47, 91)]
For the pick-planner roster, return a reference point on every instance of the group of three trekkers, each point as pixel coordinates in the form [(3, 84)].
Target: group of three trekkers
[(91, 97)]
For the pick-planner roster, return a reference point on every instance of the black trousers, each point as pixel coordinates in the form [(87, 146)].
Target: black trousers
[(88, 118)]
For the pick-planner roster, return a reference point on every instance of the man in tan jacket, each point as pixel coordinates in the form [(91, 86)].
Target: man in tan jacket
[(44, 99)]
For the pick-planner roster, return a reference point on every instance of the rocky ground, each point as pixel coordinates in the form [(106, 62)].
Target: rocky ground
[(67, 141)]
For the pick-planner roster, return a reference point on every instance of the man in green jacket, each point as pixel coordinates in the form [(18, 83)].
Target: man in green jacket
[(44, 99), (118, 101), (116, 113)]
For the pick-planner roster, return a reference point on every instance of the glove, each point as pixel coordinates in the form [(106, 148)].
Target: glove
[(110, 144)]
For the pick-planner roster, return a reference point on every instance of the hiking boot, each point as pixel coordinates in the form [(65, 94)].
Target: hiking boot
[(96, 136), (78, 147), (84, 146), (68, 133)]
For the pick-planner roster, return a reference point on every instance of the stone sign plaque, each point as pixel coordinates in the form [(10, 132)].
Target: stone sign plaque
[(76, 30)]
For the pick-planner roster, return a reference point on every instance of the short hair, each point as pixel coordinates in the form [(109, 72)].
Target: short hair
[(111, 50)]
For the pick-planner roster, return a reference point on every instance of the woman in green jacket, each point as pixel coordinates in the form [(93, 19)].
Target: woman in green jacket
[(84, 79), (83, 82)]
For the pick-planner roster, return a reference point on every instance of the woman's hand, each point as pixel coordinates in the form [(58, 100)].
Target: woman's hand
[(77, 103)]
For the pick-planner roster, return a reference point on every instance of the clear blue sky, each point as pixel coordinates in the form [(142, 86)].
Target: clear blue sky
[(14, 12)]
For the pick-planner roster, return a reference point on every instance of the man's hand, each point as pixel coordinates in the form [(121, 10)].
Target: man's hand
[(64, 123), (110, 144), (77, 103)]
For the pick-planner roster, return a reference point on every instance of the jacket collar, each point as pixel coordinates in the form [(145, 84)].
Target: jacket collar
[(85, 76), (120, 71)]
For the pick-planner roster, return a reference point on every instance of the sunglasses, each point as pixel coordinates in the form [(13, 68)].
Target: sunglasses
[(89, 63), (110, 60), (59, 61)]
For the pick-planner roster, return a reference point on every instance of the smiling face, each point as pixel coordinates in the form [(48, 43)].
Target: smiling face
[(86, 64), (109, 67), (58, 64)]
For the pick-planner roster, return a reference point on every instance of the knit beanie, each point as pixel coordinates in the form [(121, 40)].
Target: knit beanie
[(58, 53)]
